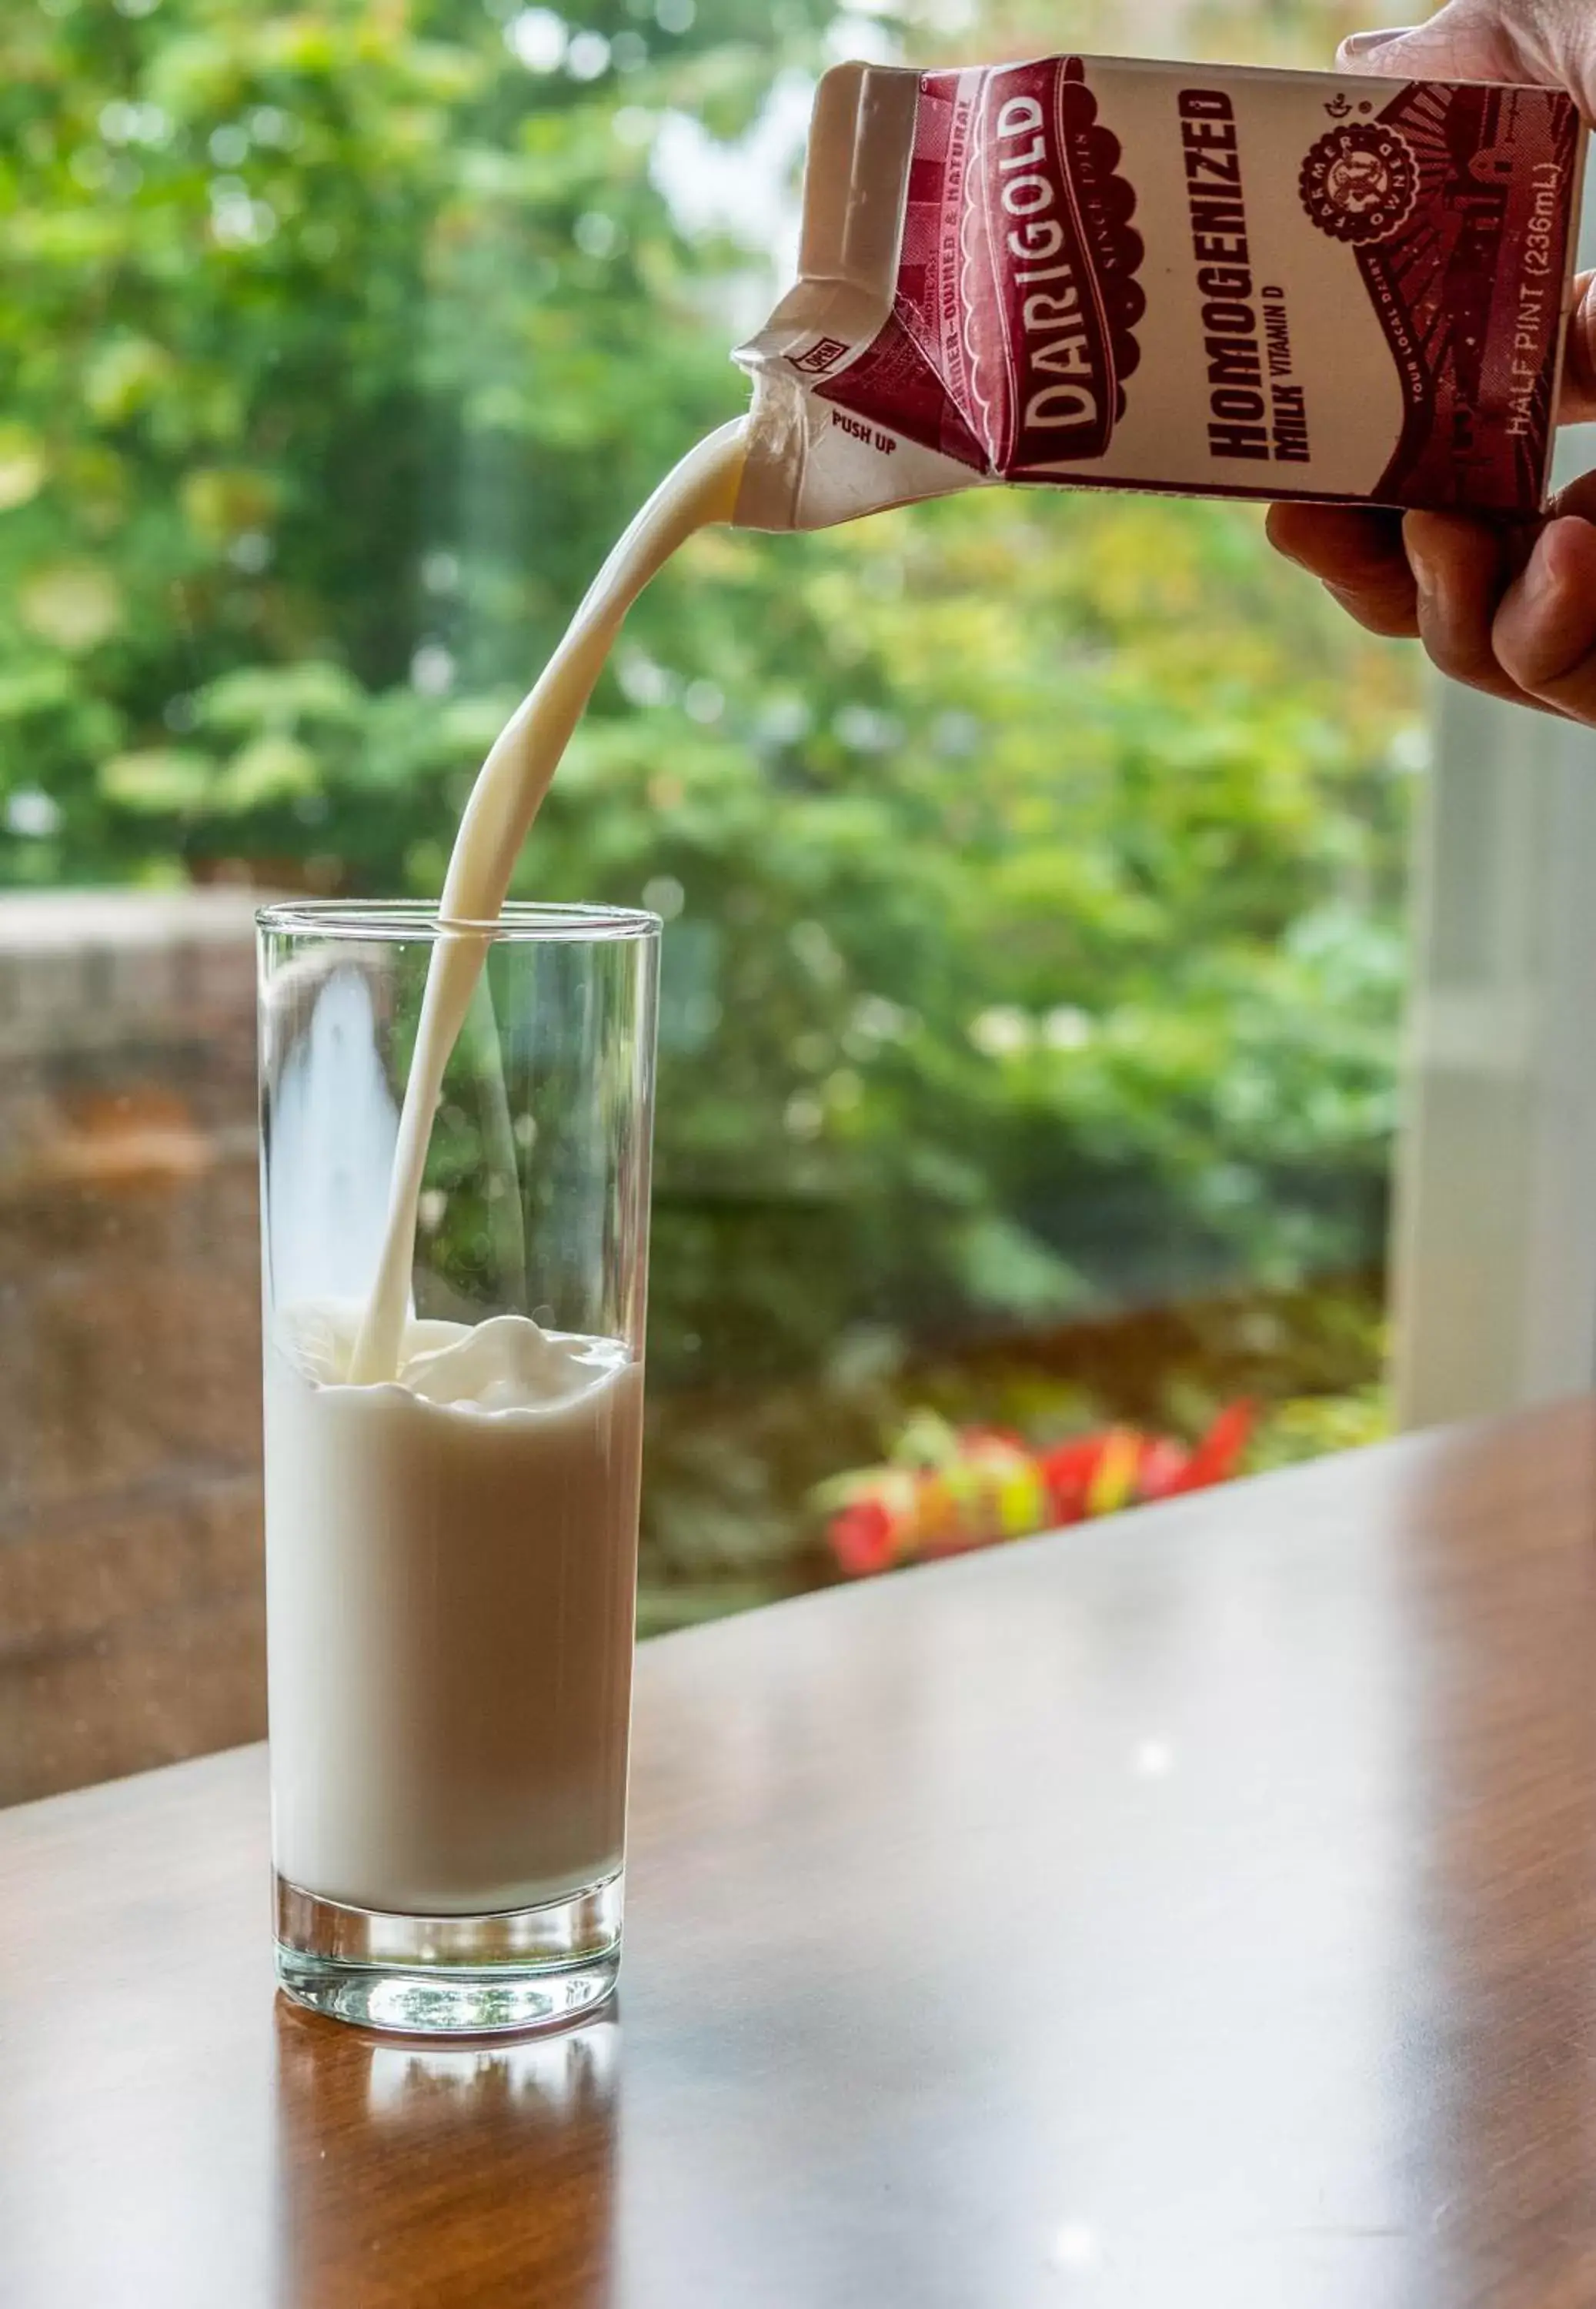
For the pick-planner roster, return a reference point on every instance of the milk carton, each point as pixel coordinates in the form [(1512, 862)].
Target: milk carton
[(1177, 277)]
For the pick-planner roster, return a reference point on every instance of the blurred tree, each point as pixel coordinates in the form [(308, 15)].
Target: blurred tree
[(1033, 862)]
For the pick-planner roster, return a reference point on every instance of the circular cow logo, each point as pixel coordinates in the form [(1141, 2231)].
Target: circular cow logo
[(1359, 183)]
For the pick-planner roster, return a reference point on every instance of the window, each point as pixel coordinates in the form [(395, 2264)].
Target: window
[(1034, 866)]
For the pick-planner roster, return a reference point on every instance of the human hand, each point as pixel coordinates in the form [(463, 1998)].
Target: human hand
[(1507, 607)]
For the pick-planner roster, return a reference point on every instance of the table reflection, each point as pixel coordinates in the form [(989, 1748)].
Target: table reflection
[(493, 2167)]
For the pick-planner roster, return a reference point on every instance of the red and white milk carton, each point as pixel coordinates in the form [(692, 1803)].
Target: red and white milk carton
[(1177, 277)]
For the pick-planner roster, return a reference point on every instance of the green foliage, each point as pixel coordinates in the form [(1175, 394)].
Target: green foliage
[(1033, 862), (1308, 1427), (1050, 931)]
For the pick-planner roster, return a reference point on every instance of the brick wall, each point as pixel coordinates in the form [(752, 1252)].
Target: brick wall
[(131, 1614)]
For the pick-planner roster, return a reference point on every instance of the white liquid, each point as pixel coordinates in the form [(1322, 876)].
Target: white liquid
[(505, 798), (449, 1581), (452, 1514)]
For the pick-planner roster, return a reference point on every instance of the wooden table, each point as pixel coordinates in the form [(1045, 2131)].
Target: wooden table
[(1198, 1911)]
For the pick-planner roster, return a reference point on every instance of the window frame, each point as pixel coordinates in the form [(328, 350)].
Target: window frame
[(1493, 1230)]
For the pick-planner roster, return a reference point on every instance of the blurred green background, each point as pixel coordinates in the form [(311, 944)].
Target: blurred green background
[(1033, 864)]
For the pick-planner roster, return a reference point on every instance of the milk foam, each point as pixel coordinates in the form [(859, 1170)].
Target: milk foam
[(507, 1363)]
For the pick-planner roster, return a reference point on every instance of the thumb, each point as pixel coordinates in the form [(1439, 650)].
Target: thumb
[(1577, 403), (1548, 42)]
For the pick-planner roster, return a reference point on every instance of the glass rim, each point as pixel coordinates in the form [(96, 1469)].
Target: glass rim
[(404, 919)]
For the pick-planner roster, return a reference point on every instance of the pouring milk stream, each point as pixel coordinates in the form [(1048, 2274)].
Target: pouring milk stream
[(506, 797)]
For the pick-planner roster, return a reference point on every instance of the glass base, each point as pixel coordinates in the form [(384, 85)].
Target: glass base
[(520, 1968)]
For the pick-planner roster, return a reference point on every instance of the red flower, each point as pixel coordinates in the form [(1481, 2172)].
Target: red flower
[(1215, 1457), (1067, 1471), (861, 1538), (1162, 1469)]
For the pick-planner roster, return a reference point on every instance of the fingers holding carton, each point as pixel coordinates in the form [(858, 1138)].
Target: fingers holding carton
[(1507, 606), (1507, 609)]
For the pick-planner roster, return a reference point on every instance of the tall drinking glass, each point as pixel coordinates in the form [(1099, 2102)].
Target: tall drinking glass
[(451, 1553)]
